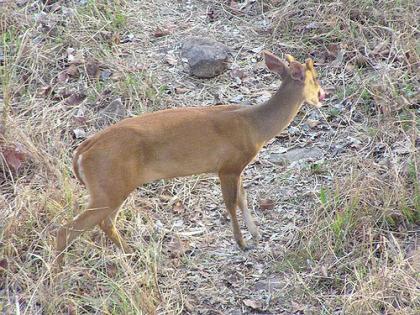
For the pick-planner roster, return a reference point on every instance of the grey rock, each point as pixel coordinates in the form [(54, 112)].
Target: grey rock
[(128, 38), (79, 133), (237, 99), (206, 58), (292, 130), (296, 154), (113, 112), (105, 74)]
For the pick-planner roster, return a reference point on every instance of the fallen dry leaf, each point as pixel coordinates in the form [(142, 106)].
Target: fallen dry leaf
[(255, 305), (237, 73), (71, 310), (381, 50), (116, 76), (297, 307), (14, 156), (349, 67), (3, 263), (136, 68), (44, 91), (111, 270), (181, 90), (333, 50), (160, 32), (116, 38), (80, 120), (178, 207), (361, 60), (61, 94), (170, 59), (414, 258), (412, 60), (324, 271), (63, 77), (75, 99), (72, 70), (76, 58), (337, 62), (266, 204), (178, 247), (234, 6), (92, 68)]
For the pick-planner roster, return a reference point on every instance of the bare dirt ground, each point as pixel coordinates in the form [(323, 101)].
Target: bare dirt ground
[(339, 217)]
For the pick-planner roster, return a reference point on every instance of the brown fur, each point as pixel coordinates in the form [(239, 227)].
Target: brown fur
[(182, 142)]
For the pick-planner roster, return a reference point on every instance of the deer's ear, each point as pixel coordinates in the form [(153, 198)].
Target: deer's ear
[(297, 71), (290, 58), (309, 64), (274, 64)]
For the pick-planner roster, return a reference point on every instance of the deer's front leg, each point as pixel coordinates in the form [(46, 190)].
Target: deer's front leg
[(249, 220), (230, 184)]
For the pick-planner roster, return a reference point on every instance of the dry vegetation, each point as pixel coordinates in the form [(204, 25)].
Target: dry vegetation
[(340, 233)]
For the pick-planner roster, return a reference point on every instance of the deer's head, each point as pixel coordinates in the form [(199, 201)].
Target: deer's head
[(303, 76)]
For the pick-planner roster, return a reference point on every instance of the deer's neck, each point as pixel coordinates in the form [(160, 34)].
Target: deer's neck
[(271, 117)]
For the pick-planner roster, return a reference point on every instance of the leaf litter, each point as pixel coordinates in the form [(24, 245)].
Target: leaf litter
[(195, 265)]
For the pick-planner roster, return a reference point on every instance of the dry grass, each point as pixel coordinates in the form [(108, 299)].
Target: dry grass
[(343, 237)]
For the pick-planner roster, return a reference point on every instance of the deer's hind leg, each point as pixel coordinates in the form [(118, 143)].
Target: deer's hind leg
[(97, 211), (108, 226)]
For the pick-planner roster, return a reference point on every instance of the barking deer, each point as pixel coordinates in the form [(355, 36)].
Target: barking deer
[(185, 141)]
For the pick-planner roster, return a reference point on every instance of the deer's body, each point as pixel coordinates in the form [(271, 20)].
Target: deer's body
[(182, 142), (154, 139)]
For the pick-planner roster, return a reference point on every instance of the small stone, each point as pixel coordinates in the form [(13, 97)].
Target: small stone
[(258, 49), (206, 58), (244, 90), (311, 26), (105, 74), (237, 99), (265, 96), (112, 113), (292, 130), (127, 38), (295, 155), (312, 122), (79, 133)]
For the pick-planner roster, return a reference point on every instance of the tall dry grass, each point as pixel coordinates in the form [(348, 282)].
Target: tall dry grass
[(357, 251)]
